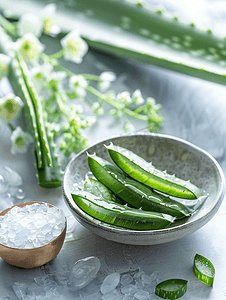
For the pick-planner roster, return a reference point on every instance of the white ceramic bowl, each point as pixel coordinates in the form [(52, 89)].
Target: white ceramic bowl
[(175, 155)]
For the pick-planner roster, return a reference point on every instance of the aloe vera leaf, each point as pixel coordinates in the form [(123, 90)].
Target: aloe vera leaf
[(48, 169), (17, 82), (131, 31), (38, 111), (120, 215)]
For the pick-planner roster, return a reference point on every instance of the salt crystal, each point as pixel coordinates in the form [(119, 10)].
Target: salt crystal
[(146, 279), (126, 279), (141, 295), (46, 280), (128, 297), (114, 295), (154, 275), (46, 229), (129, 289), (83, 272), (23, 291), (3, 185), (12, 177), (110, 283), (25, 226)]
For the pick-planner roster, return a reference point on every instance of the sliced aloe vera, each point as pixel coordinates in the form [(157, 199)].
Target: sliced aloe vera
[(120, 215), (98, 189), (203, 269), (144, 172), (171, 288), (133, 192)]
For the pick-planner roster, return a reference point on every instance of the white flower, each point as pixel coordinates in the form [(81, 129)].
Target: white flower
[(74, 47), (78, 83), (30, 22), (41, 72), (128, 126), (124, 98), (106, 79), (20, 141), (4, 64), (55, 79), (137, 97), (29, 46), (10, 107), (48, 17), (96, 107)]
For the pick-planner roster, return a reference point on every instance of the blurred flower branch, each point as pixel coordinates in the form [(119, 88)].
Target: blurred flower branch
[(52, 97)]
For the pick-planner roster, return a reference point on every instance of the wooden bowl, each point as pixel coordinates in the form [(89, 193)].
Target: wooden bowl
[(33, 257)]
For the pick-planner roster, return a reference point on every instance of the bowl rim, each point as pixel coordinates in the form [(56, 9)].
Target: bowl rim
[(188, 224), (2, 213)]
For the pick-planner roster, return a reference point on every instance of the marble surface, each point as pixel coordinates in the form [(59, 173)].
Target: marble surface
[(194, 110)]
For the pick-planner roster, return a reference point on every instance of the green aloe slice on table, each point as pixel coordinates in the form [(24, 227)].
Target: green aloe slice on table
[(132, 30), (203, 269)]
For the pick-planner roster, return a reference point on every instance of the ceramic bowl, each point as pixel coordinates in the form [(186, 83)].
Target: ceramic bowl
[(175, 155), (33, 257)]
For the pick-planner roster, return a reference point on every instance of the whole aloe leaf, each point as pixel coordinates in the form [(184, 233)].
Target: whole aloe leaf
[(132, 30)]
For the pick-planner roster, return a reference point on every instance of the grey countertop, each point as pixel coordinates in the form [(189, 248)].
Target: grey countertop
[(194, 110)]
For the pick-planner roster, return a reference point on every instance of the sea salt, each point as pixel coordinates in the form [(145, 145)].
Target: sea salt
[(110, 283), (31, 226), (23, 291)]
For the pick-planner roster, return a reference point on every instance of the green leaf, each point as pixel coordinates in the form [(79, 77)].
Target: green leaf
[(171, 288), (203, 269)]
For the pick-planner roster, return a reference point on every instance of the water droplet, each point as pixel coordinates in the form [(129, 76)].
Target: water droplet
[(20, 194), (12, 177), (3, 185)]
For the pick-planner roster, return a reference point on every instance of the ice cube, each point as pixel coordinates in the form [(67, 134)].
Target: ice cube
[(83, 272), (23, 291), (128, 297), (46, 280), (129, 289), (126, 279), (141, 295), (113, 295), (110, 283), (12, 177), (46, 229)]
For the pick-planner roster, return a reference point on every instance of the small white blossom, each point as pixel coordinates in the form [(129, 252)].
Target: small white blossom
[(20, 140), (96, 107), (78, 83), (124, 98), (41, 72), (10, 107), (55, 79), (88, 121), (137, 97), (74, 47), (48, 17), (106, 79), (128, 127), (108, 76), (30, 22), (29, 46), (4, 64)]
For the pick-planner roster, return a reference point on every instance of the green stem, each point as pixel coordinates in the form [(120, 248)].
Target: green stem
[(9, 27), (115, 104), (57, 55), (11, 126)]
